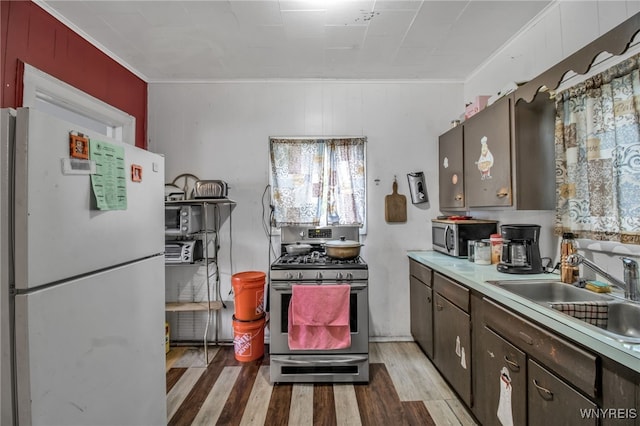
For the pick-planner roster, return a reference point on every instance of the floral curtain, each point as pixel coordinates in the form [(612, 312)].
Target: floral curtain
[(597, 141), (346, 183), (318, 181)]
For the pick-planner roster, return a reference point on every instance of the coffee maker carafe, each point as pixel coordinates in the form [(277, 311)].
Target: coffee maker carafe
[(520, 249)]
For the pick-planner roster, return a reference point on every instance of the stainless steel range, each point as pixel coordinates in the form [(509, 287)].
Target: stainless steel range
[(316, 268)]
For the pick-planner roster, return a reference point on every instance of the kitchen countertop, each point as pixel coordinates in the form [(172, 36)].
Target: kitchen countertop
[(474, 277)]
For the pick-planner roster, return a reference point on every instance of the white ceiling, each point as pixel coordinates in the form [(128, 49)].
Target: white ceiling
[(298, 39)]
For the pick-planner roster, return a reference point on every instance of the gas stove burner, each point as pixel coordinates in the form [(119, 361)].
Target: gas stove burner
[(316, 264), (313, 257), (316, 260)]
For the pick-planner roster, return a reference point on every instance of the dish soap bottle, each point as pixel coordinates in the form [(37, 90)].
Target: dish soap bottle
[(568, 274)]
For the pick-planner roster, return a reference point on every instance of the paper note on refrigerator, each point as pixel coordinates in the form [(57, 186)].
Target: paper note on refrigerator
[(109, 182)]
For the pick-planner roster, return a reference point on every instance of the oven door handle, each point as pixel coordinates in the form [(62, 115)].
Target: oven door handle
[(287, 286), (348, 360), (280, 287), (358, 286)]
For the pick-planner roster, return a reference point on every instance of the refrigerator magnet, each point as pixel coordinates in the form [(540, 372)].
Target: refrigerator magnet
[(136, 173), (78, 146)]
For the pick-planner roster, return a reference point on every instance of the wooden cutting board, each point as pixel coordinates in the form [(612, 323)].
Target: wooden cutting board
[(395, 206)]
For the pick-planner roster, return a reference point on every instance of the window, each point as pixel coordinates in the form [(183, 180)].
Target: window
[(46, 93), (319, 181), (598, 156)]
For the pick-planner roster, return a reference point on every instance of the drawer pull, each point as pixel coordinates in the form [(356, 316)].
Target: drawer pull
[(547, 392), (458, 197), (503, 193), (514, 366), (527, 339)]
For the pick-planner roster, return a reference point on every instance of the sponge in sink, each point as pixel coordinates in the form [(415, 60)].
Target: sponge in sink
[(598, 286)]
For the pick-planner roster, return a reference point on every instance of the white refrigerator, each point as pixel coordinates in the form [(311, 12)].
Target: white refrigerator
[(82, 303)]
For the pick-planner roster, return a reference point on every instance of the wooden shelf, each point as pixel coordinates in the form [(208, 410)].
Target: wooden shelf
[(192, 306)]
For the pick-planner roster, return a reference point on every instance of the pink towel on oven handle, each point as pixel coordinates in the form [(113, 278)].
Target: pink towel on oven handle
[(320, 305), (319, 317)]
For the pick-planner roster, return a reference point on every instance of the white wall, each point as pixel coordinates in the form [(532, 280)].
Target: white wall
[(559, 31), (221, 131)]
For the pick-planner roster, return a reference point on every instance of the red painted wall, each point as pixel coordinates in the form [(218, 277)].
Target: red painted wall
[(31, 35)]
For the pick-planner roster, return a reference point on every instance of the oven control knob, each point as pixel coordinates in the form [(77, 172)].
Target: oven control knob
[(319, 276), (349, 276), (300, 275), (339, 276), (289, 276)]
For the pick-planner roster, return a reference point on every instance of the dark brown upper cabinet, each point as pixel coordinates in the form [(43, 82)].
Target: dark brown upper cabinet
[(507, 158), (451, 169)]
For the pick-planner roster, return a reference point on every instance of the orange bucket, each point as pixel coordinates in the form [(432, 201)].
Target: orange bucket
[(248, 339), (248, 290)]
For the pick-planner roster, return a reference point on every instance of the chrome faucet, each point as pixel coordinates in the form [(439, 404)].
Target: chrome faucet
[(630, 283)]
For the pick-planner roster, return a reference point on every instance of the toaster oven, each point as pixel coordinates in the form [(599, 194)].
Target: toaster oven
[(182, 220), (183, 251)]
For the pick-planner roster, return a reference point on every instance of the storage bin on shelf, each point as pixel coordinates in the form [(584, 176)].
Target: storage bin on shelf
[(476, 106)]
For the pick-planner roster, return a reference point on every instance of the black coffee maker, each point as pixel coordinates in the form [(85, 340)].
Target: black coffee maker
[(520, 249)]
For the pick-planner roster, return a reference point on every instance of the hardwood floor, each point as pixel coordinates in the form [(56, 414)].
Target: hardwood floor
[(404, 389)]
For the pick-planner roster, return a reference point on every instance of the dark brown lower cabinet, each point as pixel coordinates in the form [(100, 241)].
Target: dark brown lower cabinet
[(452, 354), (500, 369), (506, 343), (553, 401), (421, 307), (620, 395), (518, 371)]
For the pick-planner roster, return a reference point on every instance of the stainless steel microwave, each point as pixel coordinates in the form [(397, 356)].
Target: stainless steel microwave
[(182, 220), (452, 236)]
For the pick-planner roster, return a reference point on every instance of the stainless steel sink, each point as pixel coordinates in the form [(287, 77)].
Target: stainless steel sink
[(550, 291), (623, 322)]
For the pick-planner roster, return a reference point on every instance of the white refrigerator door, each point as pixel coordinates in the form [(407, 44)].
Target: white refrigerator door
[(91, 351), (58, 234), (7, 123)]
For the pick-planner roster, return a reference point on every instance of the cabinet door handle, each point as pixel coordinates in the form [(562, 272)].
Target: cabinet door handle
[(547, 392), (458, 197), (513, 366), (428, 299), (502, 194), (439, 307)]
